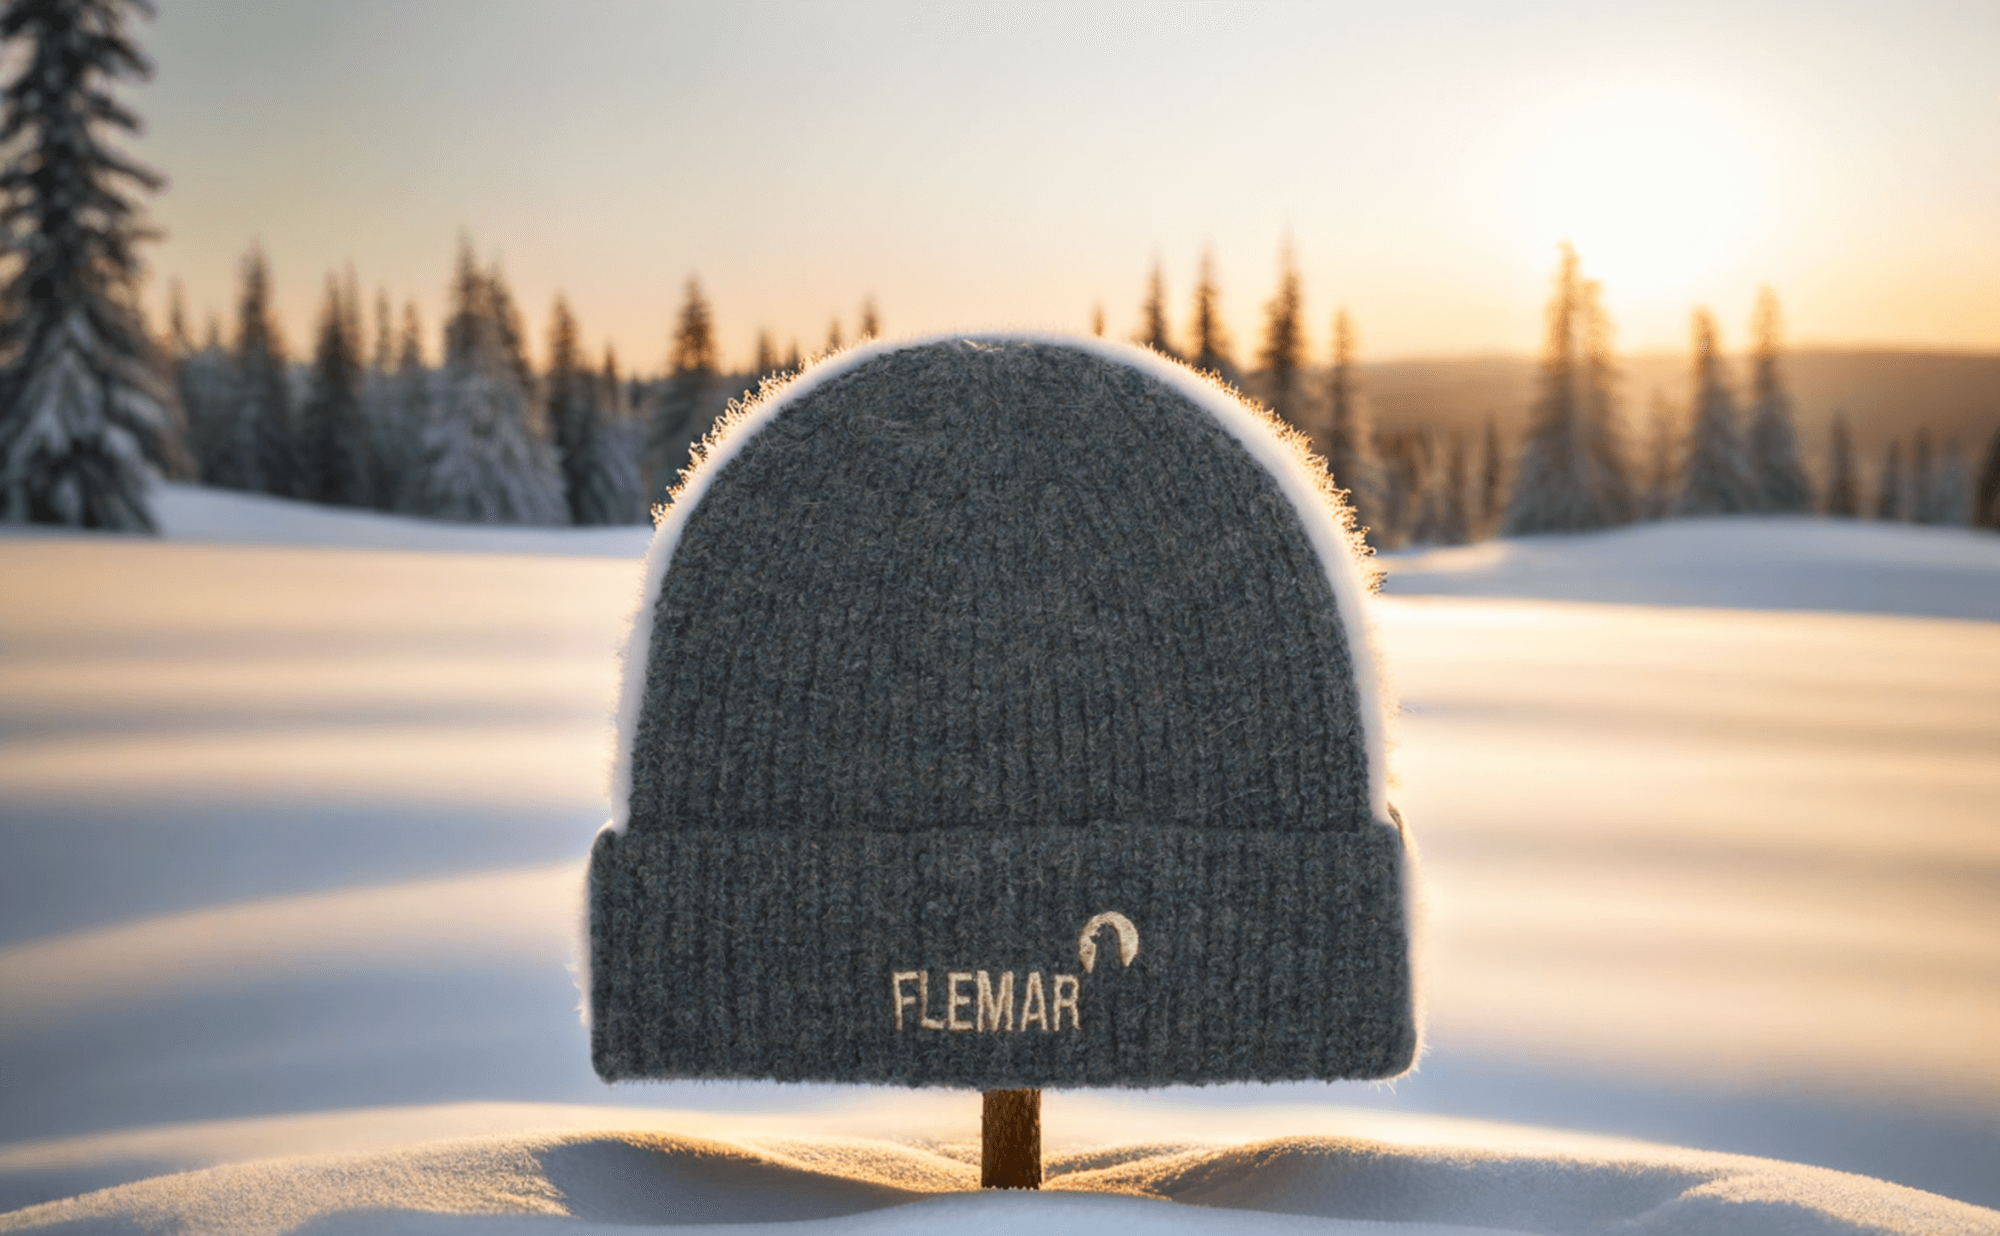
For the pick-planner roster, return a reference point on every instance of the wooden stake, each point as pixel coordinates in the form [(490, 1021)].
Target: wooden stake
[(1010, 1140)]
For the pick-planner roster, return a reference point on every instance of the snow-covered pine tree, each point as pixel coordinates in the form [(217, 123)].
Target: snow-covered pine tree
[(624, 437), (1421, 463), (1891, 490), (1153, 330), (1402, 491), (206, 381), (681, 416), (382, 357), (1492, 479), (1441, 484), (1774, 441), (1843, 483), (871, 322), (768, 363), (1097, 321), (1986, 493), (1922, 481), (1283, 353), (834, 340), (481, 463), (1347, 440), (1572, 475), (570, 391), (263, 456), (614, 395), (178, 349), (169, 346), (600, 481), (1663, 434), (85, 402), (514, 344), (611, 387), (333, 425), (377, 389), (1456, 521), (1951, 488), (1717, 478), (176, 343), (1601, 414), (399, 404), (1208, 339)]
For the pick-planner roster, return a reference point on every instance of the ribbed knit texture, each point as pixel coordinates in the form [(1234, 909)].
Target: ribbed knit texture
[(967, 645)]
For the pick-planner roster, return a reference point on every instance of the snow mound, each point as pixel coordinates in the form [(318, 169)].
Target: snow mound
[(578, 1181), (1742, 562), (197, 513), (288, 833)]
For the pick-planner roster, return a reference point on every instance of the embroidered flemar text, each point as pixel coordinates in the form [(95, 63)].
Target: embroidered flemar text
[(977, 1002)]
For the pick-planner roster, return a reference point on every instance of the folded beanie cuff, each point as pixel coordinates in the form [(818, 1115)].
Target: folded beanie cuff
[(1101, 955)]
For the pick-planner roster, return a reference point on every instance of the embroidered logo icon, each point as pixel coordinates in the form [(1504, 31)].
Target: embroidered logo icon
[(1128, 939), (993, 1006)]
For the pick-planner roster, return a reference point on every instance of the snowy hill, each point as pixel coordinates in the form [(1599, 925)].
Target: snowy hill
[(560, 1182), (1749, 562), (197, 513), (293, 805), (1773, 562)]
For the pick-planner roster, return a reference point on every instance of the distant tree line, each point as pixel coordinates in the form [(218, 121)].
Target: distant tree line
[(1576, 472), (1577, 467), (366, 422), (482, 436)]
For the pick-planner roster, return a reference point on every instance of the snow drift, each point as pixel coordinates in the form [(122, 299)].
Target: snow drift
[(293, 806), (582, 1181)]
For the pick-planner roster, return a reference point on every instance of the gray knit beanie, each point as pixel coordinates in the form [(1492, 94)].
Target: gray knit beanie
[(1000, 713)]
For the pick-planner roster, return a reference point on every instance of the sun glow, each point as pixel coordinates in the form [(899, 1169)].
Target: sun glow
[(1658, 189)]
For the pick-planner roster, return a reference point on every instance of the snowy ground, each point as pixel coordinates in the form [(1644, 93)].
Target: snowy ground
[(292, 808)]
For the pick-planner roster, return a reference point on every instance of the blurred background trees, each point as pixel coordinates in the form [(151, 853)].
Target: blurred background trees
[(481, 462), (1572, 475), (687, 405), (1153, 330), (333, 428), (85, 399), (1283, 354), (1348, 440), (1717, 478), (1208, 340), (581, 443), (1774, 444), (600, 473), (1843, 485)]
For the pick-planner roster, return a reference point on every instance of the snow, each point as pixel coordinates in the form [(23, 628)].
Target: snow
[(294, 804), (1758, 562), (193, 513), (1349, 1184)]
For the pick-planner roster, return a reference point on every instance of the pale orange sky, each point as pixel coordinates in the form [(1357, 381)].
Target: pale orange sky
[(1011, 164)]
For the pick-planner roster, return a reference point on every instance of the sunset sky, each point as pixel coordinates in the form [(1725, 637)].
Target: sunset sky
[(1018, 164)]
